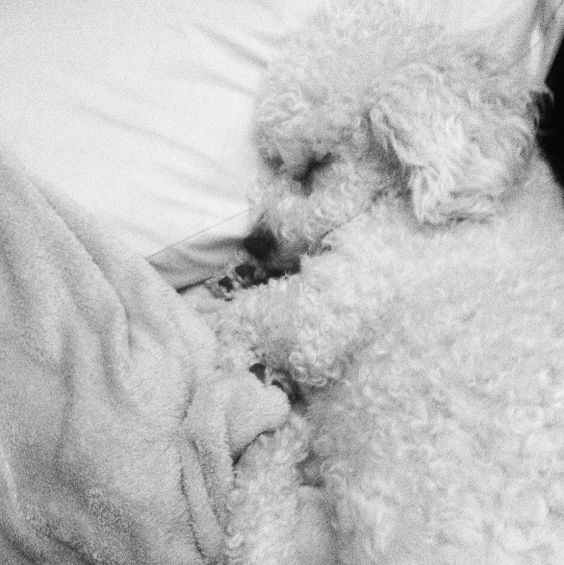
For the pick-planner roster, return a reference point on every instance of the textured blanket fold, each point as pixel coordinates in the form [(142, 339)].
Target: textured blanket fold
[(116, 433)]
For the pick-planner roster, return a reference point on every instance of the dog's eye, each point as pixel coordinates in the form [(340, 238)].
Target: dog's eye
[(307, 179)]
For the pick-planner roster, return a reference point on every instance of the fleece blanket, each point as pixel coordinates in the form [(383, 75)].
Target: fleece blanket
[(117, 433)]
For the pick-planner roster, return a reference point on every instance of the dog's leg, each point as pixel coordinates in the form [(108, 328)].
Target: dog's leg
[(311, 324), (276, 517)]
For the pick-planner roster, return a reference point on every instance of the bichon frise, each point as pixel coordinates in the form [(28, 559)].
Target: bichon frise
[(425, 322)]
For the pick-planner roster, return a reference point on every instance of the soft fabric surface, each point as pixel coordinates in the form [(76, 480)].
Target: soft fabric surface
[(116, 434)]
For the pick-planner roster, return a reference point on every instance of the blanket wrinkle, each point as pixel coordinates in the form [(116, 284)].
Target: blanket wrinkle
[(117, 431)]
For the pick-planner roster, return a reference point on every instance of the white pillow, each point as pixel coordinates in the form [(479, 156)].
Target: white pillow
[(140, 109)]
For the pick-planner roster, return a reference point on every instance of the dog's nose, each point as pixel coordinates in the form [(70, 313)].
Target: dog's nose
[(260, 243)]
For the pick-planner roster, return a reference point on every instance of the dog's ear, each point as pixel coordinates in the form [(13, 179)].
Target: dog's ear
[(460, 126)]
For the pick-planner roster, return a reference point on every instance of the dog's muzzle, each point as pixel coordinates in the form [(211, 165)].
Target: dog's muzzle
[(260, 243)]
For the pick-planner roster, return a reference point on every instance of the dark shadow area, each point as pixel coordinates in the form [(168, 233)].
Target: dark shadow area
[(551, 131)]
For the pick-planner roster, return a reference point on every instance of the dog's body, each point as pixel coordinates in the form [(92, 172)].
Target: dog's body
[(431, 351), (443, 442)]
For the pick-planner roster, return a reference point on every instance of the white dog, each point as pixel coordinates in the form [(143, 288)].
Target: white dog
[(426, 322)]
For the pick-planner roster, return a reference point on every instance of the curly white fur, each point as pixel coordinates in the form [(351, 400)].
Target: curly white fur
[(439, 437), (382, 85), (443, 441), (431, 352), (271, 505)]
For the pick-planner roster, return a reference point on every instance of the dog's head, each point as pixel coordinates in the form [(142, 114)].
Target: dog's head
[(452, 129)]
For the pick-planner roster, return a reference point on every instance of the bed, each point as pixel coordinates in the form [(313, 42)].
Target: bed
[(125, 160)]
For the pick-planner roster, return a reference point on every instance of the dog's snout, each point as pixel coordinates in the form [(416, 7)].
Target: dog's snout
[(260, 244)]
